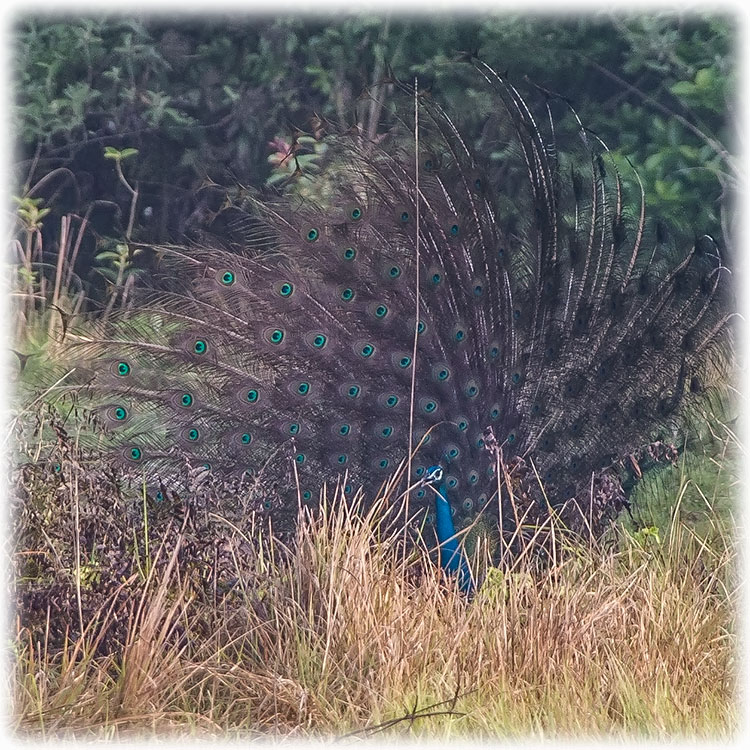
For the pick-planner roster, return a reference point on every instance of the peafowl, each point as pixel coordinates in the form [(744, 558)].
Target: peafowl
[(508, 327)]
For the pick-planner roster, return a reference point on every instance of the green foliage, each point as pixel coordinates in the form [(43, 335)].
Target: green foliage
[(201, 100), (30, 212), (110, 152)]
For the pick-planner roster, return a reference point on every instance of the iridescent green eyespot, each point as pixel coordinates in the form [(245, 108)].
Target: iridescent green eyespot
[(350, 253), (120, 413), (200, 346), (193, 434), (367, 350), (319, 341), (123, 369), (286, 289), (246, 438), (303, 388), (227, 278), (186, 399), (252, 396), (276, 336), (347, 295), (312, 234)]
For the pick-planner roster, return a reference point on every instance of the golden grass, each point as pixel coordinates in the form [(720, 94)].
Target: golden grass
[(340, 635)]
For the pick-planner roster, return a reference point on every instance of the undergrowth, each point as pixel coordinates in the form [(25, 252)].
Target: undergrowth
[(210, 626)]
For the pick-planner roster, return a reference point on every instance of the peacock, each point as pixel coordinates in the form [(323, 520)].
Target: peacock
[(487, 331)]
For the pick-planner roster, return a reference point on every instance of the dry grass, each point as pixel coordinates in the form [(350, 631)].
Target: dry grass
[(339, 635)]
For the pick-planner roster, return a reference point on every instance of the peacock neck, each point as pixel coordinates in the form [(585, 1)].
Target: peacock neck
[(446, 531), (452, 558)]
